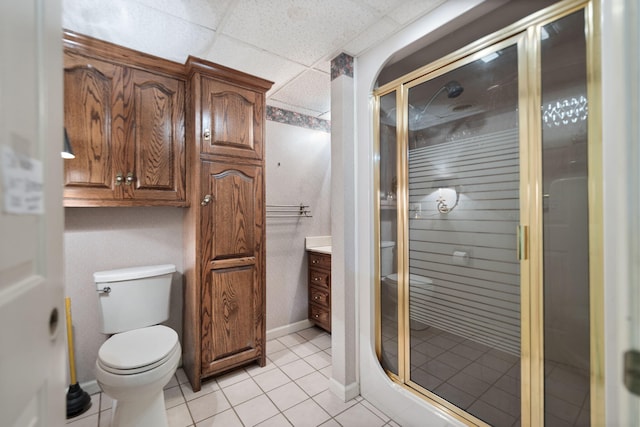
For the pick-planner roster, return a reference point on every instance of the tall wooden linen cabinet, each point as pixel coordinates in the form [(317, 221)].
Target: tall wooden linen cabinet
[(224, 307)]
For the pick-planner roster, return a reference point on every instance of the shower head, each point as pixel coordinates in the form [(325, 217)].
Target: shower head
[(454, 89)]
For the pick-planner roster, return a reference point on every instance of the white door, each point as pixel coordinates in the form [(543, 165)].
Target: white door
[(33, 372)]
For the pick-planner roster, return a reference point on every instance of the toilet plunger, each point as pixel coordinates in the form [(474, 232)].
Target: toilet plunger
[(78, 400)]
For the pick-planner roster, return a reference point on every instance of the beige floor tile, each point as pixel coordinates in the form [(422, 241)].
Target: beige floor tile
[(277, 421), (173, 397), (287, 396), (242, 391), (331, 403), (88, 421), (307, 414), (292, 340), (226, 418), (206, 388), (106, 402), (318, 360), (297, 369), (179, 416), (232, 377), (208, 405), (313, 383), (359, 416), (105, 418), (272, 379), (256, 410), (283, 357), (305, 349)]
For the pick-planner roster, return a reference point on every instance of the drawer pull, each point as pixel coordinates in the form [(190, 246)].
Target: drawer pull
[(315, 261), (316, 297), (315, 279), (317, 315)]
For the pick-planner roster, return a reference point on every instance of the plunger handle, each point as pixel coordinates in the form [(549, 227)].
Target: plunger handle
[(72, 361)]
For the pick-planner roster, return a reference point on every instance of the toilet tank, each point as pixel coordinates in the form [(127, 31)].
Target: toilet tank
[(132, 298), (386, 257)]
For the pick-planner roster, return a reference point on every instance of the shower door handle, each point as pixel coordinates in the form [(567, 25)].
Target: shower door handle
[(522, 242)]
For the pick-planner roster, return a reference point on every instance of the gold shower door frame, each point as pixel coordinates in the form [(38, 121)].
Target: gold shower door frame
[(526, 34)]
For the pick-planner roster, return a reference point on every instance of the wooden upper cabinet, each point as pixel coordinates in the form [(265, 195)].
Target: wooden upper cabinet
[(155, 143), (125, 119), (231, 120), (94, 120)]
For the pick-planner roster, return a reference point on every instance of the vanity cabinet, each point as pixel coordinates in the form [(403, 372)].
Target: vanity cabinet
[(224, 309), (125, 118), (319, 267)]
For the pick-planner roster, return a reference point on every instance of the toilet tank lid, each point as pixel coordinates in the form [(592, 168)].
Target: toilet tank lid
[(132, 273)]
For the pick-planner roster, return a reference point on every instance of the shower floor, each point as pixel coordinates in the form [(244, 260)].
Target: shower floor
[(485, 381)]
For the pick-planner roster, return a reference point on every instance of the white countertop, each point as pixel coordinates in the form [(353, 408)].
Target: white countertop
[(321, 249), (321, 244)]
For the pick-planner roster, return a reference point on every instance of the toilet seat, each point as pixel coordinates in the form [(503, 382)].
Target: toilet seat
[(138, 350)]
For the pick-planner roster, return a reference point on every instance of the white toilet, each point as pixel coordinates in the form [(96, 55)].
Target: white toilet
[(136, 363), (389, 282)]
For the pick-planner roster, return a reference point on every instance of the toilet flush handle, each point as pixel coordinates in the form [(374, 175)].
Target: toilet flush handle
[(104, 290)]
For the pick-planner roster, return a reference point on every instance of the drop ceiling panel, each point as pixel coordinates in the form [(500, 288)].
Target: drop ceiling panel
[(371, 37), (412, 10), (311, 90), (305, 31), (202, 12), (120, 21), (240, 56)]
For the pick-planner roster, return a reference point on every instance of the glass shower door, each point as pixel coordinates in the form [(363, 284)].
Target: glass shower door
[(463, 285)]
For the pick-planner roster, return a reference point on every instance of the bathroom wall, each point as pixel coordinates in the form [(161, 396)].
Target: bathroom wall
[(298, 170), (98, 239)]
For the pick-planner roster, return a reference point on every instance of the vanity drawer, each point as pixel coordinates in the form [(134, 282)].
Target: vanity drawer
[(320, 316), (320, 295), (319, 277), (319, 260)]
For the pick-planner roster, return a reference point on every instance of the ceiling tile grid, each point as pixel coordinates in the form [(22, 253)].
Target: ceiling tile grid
[(290, 42)]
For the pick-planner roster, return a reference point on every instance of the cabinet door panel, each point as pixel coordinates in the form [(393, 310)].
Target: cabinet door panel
[(232, 256), (156, 136), (94, 120), (230, 315), (234, 219), (231, 120)]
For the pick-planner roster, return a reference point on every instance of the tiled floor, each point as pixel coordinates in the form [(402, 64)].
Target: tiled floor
[(291, 390), (485, 381)]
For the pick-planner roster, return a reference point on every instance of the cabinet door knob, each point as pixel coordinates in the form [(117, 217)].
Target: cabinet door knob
[(206, 200), (317, 315), (315, 279), (130, 178), (316, 297), (119, 178), (207, 134)]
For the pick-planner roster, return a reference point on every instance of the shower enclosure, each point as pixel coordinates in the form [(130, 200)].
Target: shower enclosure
[(488, 213)]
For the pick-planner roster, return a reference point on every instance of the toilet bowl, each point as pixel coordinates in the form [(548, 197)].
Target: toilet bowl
[(137, 362)]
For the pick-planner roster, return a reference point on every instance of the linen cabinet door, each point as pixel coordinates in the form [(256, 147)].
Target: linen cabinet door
[(155, 170), (232, 292), (232, 120), (94, 119)]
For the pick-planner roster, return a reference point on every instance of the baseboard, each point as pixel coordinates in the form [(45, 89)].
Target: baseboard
[(288, 329), (344, 392), (91, 387)]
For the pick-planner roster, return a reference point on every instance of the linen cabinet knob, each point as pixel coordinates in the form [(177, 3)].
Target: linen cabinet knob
[(206, 200)]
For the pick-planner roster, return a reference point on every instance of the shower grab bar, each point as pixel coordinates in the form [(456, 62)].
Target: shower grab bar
[(288, 211)]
